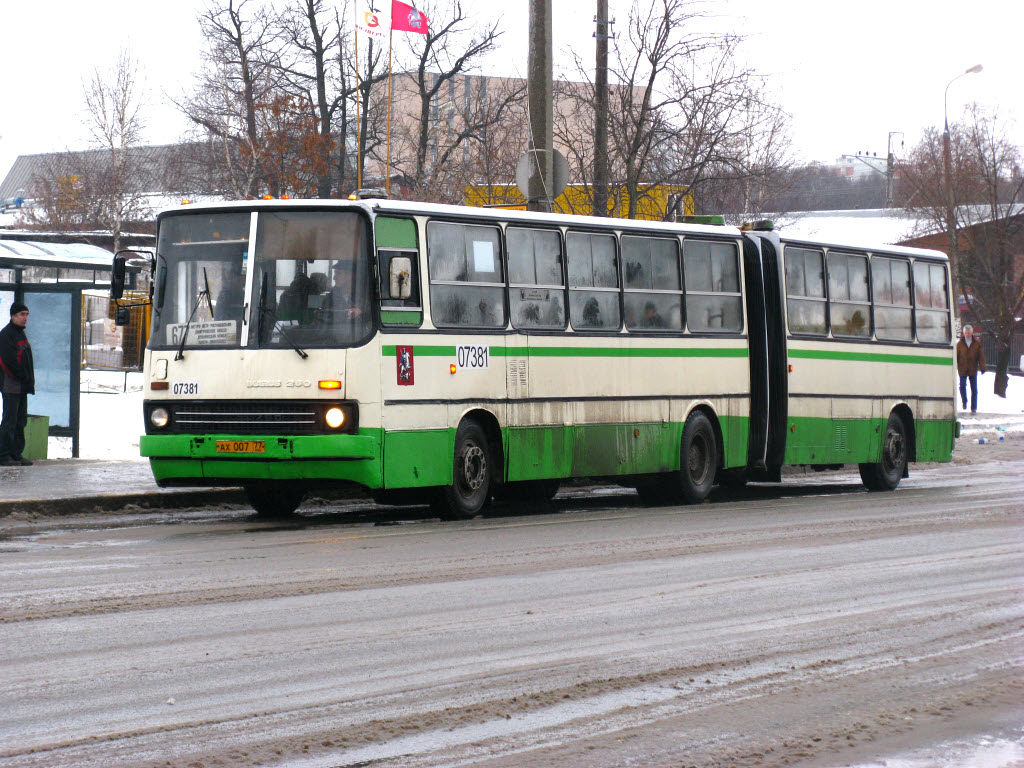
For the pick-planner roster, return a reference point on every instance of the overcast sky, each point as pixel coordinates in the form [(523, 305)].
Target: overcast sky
[(848, 73)]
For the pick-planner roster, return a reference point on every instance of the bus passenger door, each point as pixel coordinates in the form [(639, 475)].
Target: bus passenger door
[(767, 353)]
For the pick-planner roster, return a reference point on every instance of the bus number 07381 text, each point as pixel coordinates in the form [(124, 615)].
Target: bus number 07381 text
[(473, 356)]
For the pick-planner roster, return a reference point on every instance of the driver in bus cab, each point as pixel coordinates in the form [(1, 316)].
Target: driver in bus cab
[(340, 304), (232, 294)]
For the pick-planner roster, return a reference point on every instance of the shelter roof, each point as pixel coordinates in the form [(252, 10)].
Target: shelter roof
[(69, 255)]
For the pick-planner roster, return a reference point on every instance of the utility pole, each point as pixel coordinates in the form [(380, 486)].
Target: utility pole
[(602, 34), (539, 76), (890, 170)]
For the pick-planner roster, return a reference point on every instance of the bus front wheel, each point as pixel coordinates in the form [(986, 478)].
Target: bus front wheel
[(472, 475), (273, 499), (886, 474)]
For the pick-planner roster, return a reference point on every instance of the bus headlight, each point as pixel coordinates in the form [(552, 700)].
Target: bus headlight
[(334, 417), (159, 417)]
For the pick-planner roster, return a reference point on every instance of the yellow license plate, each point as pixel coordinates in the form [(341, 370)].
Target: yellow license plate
[(241, 446)]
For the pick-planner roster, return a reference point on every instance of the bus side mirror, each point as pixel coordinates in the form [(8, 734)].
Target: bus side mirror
[(401, 277), (122, 316), (118, 274)]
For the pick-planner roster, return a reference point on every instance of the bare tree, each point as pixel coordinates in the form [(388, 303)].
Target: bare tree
[(435, 136), (113, 101), (370, 70), (988, 182), (102, 188), (317, 71), (750, 167), (237, 82), (683, 110)]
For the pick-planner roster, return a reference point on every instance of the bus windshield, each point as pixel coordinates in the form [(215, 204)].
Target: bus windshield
[(310, 281)]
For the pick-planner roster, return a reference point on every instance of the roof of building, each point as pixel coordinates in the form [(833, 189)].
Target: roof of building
[(152, 163), (873, 226)]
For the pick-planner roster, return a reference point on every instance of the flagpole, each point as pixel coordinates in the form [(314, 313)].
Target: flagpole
[(391, 37), (359, 124)]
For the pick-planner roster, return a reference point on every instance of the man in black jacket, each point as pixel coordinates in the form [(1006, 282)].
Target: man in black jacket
[(17, 382)]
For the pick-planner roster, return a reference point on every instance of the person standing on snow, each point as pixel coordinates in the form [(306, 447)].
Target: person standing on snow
[(17, 382), (970, 361)]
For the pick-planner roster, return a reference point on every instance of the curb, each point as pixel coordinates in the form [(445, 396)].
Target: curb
[(115, 502)]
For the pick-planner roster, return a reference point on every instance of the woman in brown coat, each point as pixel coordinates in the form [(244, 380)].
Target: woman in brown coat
[(970, 361)]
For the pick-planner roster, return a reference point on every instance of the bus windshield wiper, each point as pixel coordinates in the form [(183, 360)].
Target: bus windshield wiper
[(199, 300), (266, 311)]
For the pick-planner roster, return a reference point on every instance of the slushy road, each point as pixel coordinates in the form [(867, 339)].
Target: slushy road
[(810, 624)]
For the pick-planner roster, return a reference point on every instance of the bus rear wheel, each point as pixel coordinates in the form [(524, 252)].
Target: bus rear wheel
[(274, 499), (471, 477), (886, 474), (698, 464), (699, 458)]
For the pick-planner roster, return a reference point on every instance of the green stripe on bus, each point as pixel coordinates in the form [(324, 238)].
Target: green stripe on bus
[(870, 357), (400, 318), (395, 233), (432, 351)]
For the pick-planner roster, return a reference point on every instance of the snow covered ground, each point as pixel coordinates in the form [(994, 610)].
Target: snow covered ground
[(111, 415)]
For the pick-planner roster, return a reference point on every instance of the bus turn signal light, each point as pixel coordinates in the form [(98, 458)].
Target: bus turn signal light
[(330, 384), (452, 368)]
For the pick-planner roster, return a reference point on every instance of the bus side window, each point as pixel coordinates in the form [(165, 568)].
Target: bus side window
[(653, 288), (848, 295), (931, 312), (713, 298), (890, 279), (467, 283), (805, 290), (537, 287), (593, 282)]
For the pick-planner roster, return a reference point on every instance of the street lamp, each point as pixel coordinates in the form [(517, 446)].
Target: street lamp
[(951, 239)]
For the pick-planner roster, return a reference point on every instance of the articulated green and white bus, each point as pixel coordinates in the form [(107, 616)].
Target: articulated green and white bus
[(445, 355)]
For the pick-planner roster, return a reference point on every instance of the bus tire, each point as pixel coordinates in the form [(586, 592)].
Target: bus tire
[(274, 499), (698, 458), (886, 474), (471, 476)]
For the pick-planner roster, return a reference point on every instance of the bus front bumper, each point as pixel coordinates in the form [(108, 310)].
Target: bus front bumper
[(183, 460)]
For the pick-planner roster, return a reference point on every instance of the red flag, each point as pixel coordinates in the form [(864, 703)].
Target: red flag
[(405, 18)]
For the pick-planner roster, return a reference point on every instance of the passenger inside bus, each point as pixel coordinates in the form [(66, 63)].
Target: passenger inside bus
[(232, 293), (652, 318)]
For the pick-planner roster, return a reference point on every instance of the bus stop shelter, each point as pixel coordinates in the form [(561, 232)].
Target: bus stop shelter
[(49, 279)]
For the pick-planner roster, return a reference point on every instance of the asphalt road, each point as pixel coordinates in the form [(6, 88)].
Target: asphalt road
[(813, 624)]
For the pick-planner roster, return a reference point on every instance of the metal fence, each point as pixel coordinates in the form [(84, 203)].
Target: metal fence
[(988, 346), (108, 345)]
